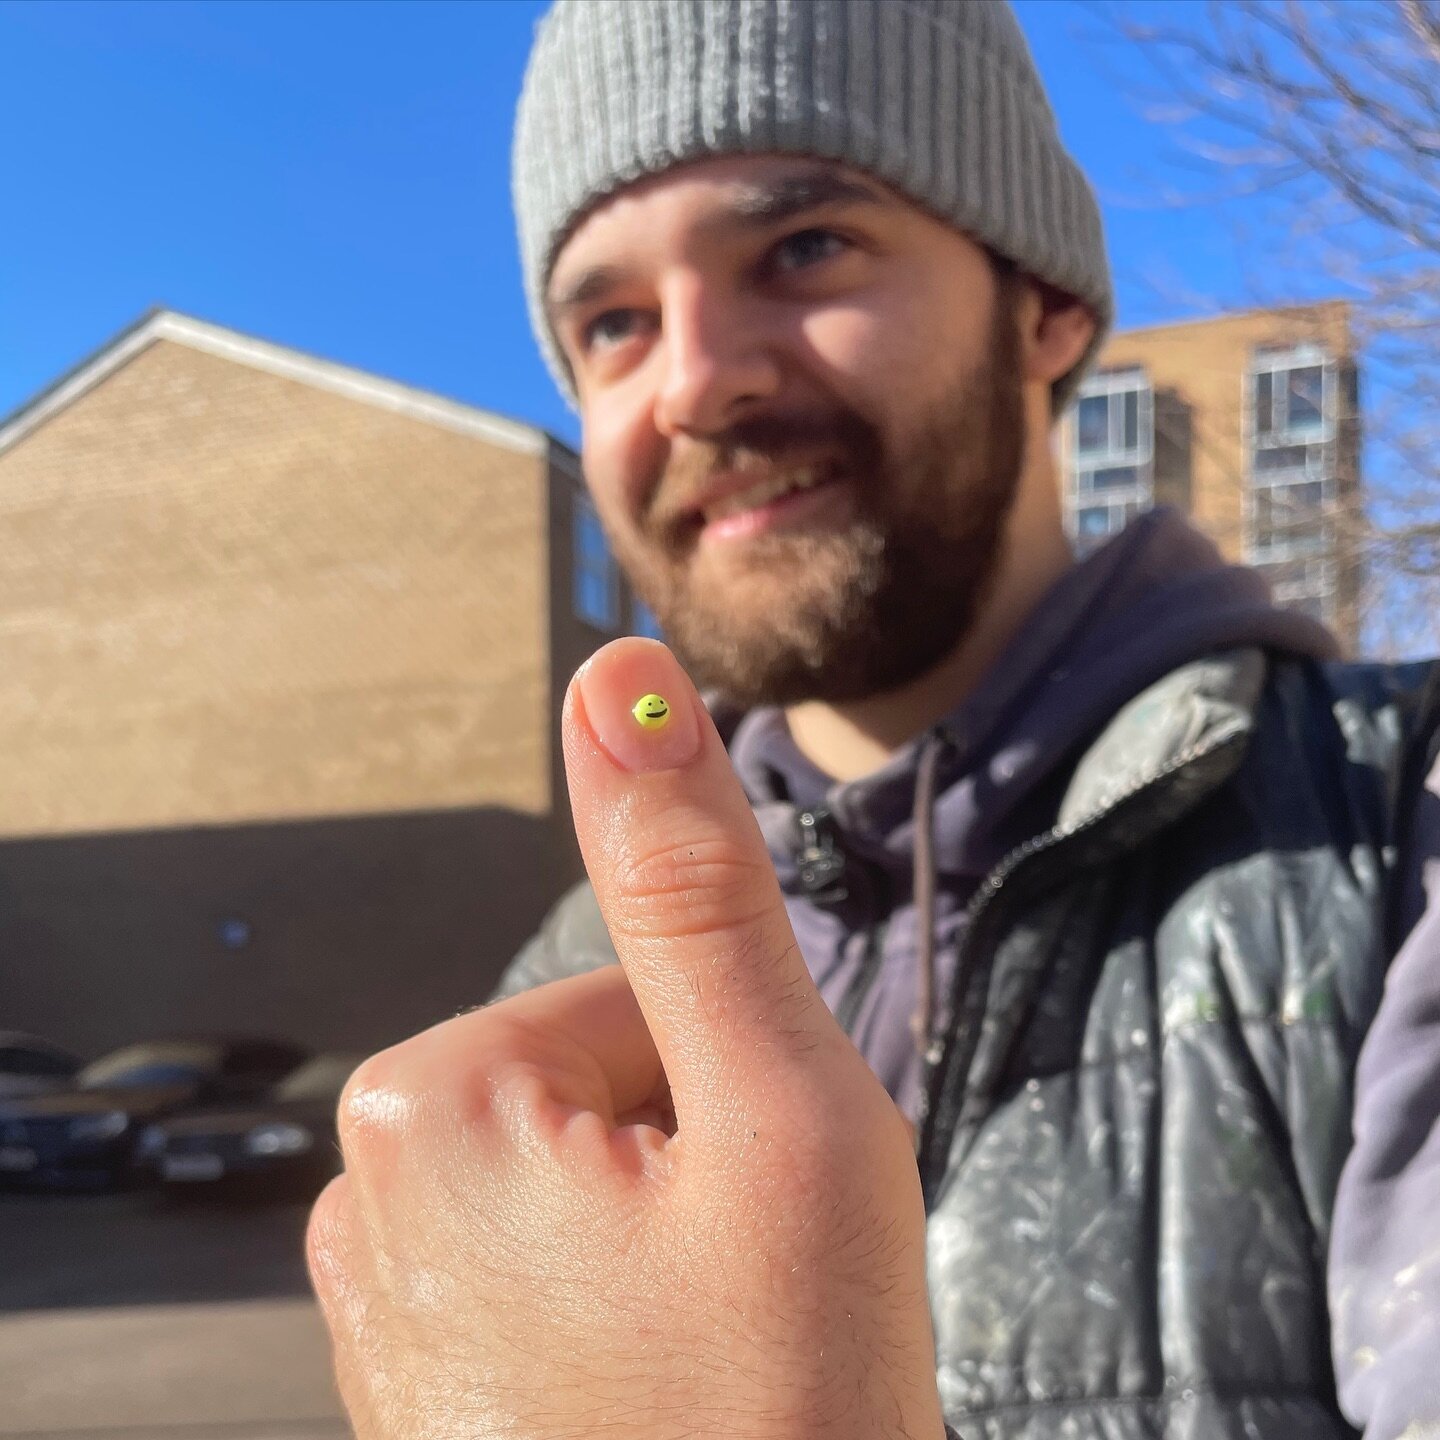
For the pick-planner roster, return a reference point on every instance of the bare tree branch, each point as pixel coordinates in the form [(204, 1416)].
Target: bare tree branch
[(1324, 115)]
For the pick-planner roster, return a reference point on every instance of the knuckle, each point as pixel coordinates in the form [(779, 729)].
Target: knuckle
[(328, 1243), (421, 1089), (695, 887), (374, 1103)]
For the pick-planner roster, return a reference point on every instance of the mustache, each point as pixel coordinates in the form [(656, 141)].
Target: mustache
[(759, 443)]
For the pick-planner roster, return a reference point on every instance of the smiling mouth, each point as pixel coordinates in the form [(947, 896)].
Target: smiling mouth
[(765, 491)]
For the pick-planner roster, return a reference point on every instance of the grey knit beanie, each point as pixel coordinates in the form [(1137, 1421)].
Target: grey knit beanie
[(940, 98)]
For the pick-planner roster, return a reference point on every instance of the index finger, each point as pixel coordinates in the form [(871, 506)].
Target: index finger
[(684, 880)]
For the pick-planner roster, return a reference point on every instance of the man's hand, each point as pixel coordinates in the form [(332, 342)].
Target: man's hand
[(668, 1199)]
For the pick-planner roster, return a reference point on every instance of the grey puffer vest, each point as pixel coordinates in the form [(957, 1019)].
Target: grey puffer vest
[(1135, 1123)]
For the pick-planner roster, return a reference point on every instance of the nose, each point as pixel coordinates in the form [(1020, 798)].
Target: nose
[(716, 360)]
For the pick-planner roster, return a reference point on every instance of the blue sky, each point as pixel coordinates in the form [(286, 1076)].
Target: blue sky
[(333, 176)]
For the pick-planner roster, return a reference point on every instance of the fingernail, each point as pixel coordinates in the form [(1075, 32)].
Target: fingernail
[(640, 706)]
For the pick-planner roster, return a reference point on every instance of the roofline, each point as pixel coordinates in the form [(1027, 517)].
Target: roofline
[(1222, 315), (161, 324)]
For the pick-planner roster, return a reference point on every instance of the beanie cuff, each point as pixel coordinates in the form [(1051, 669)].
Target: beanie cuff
[(940, 101)]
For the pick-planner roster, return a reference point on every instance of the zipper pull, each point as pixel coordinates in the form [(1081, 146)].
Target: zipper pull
[(822, 861)]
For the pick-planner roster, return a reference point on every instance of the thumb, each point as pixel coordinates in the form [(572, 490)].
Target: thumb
[(686, 886)]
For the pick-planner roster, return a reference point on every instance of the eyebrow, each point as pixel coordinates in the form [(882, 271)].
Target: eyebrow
[(753, 206)]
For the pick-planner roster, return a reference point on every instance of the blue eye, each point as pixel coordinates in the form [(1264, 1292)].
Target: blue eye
[(609, 328), (808, 247)]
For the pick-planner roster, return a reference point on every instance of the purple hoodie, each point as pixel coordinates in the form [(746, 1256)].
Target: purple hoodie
[(1153, 598), (1385, 1238)]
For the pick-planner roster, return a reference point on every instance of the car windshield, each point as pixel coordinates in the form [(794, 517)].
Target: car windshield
[(318, 1079), (27, 1060), (150, 1065)]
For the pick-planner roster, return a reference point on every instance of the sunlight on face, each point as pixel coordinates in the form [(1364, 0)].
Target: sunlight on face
[(802, 419)]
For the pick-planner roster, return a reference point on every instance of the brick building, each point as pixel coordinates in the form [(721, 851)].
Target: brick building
[(283, 647), (1249, 423)]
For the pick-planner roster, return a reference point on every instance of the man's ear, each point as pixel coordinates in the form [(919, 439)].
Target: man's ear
[(1056, 330)]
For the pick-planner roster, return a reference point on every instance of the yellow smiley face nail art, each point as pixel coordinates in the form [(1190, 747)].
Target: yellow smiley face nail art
[(652, 711)]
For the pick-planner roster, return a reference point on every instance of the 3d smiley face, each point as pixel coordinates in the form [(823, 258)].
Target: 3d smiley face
[(652, 711)]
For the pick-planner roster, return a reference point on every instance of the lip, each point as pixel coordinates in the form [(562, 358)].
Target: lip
[(794, 511), (736, 482)]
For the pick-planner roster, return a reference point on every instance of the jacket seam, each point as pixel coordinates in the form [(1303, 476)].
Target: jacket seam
[(1269, 1018), (1189, 1390), (1141, 1052)]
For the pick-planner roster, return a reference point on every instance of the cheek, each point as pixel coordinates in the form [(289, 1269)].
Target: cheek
[(882, 358), (901, 349), (851, 345), (622, 458), (877, 363)]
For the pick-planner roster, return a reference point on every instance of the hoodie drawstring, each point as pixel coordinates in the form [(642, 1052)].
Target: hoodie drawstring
[(922, 1021)]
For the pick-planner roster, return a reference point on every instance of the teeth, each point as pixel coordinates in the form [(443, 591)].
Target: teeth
[(764, 492)]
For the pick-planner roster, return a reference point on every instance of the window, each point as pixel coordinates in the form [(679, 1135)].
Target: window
[(1095, 524), (643, 622), (1289, 398), (1112, 477), (1291, 458), (1092, 424), (1304, 585), (1113, 445), (596, 598), (1289, 518), (1113, 420), (1300, 459)]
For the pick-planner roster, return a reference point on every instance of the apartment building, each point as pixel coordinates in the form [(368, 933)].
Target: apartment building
[(1247, 422), (283, 645)]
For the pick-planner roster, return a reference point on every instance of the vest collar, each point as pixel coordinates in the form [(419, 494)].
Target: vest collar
[(1202, 706)]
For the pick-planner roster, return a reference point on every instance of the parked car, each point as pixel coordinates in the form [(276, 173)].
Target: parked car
[(84, 1137), (283, 1142), (32, 1066)]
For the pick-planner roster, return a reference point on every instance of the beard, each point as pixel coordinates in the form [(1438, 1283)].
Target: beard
[(840, 614)]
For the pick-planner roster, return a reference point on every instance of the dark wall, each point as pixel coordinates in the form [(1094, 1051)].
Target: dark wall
[(572, 640), (361, 931), (1174, 467)]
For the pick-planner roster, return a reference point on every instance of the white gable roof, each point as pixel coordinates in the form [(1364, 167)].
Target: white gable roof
[(293, 365)]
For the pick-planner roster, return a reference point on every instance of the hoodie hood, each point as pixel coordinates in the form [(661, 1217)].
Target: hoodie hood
[(1156, 596)]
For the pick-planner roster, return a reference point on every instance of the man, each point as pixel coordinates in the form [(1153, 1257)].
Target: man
[(1095, 870)]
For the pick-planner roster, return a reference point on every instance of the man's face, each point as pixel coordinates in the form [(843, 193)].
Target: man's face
[(803, 420)]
